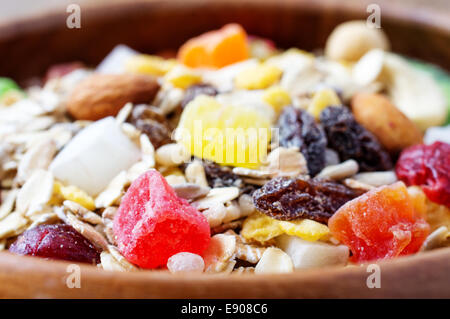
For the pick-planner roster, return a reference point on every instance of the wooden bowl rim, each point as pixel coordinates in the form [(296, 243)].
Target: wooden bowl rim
[(426, 17), (439, 22)]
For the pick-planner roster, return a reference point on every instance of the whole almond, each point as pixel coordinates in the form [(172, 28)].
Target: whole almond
[(102, 95), (392, 128)]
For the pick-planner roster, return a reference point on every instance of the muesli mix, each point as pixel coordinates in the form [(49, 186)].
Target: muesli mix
[(229, 156)]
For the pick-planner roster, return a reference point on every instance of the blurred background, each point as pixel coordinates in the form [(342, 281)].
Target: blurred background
[(10, 9)]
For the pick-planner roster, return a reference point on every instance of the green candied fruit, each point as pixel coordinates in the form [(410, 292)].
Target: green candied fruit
[(6, 84)]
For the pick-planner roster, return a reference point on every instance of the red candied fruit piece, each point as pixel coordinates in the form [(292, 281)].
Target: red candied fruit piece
[(429, 167), (153, 223), (380, 224), (56, 242)]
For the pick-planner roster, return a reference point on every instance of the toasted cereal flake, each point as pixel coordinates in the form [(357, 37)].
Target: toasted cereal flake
[(322, 99), (232, 211), (248, 252), (147, 150), (244, 270), (108, 262), (376, 178), (220, 251), (437, 239), (260, 227), (246, 205), (85, 214), (108, 218), (172, 155), (12, 225), (353, 183), (113, 191), (252, 173), (258, 77), (217, 195), (190, 191), (37, 190), (215, 214), (39, 156), (274, 260), (195, 173), (124, 112), (45, 218), (286, 162), (83, 228), (175, 179), (229, 267), (2, 244), (8, 203), (227, 226), (185, 262), (74, 194), (120, 259), (340, 171), (277, 97)]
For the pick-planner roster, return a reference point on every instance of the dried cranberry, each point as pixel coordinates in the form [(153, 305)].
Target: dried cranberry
[(289, 199), (429, 167), (198, 89), (352, 141), (298, 128), (152, 123), (56, 242)]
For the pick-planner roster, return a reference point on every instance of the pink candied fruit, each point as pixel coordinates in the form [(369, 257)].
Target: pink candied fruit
[(153, 223), (427, 166)]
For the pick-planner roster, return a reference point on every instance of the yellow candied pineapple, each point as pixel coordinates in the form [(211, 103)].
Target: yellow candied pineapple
[(262, 228), (225, 134), (183, 77), (73, 194), (149, 64), (258, 77), (321, 100), (277, 97), (305, 228)]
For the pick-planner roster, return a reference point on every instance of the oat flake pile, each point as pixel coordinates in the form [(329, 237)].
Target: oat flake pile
[(232, 156)]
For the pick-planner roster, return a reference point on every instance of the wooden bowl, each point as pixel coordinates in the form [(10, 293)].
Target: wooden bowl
[(29, 46)]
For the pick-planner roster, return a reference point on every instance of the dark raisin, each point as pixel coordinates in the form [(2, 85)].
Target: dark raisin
[(152, 123), (56, 242), (352, 141), (198, 89), (289, 199), (221, 176), (298, 128)]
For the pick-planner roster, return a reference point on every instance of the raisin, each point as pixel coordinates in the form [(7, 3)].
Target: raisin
[(221, 176), (149, 121), (352, 141), (298, 128), (56, 242), (288, 199), (427, 166), (198, 89)]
